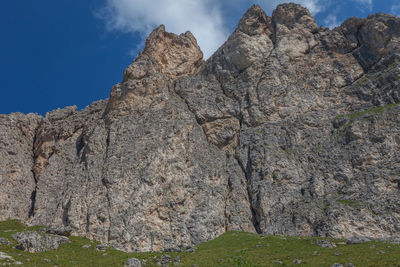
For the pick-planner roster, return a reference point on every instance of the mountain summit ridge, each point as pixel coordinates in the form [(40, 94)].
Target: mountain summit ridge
[(288, 128)]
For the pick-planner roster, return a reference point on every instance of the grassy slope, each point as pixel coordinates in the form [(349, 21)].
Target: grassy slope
[(230, 249)]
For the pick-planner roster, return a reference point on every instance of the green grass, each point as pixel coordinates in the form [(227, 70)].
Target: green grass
[(230, 249)]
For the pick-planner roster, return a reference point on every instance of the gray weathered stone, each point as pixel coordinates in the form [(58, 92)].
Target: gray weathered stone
[(101, 247), (326, 244), (33, 242), (177, 261), (17, 134), (63, 230), (357, 240), (289, 128), (133, 262), (4, 256), (4, 241), (296, 261), (165, 260)]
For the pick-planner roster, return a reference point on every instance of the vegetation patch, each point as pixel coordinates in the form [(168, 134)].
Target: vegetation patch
[(351, 203), (229, 249), (348, 202), (353, 116)]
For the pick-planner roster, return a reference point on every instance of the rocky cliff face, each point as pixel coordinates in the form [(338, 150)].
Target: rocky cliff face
[(289, 128)]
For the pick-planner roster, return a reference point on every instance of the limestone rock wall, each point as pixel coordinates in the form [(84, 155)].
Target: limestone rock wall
[(289, 128), (17, 179)]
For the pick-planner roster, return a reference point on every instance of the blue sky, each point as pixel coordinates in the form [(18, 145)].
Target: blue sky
[(60, 53)]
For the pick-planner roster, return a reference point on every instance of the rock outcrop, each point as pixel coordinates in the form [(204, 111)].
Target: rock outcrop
[(289, 128), (34, 242)]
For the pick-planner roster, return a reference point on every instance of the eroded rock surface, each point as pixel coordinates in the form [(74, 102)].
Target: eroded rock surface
[(289, 128), (17, 179), (34, 242)]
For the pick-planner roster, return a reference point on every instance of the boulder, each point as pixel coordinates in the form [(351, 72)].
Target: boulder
[(34, 242), (62, 230), (133, 262), (357, 240), (326, 244)]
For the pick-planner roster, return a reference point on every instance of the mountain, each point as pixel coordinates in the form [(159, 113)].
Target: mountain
[(289, 128)]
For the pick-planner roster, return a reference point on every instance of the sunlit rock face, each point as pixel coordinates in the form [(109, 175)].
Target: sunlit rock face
[(289, 128)]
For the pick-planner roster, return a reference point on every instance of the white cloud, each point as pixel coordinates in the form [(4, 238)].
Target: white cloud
[(206, 19), (396, 10), (365, 4), (314, 6), (331, 21), (202, 18)]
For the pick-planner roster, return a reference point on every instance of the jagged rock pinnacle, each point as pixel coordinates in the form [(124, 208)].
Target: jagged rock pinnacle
[(255, 21), (294, 16), (165, 58), (176, 55)]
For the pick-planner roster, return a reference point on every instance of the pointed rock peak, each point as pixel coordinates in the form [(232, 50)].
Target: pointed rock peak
[(291, 10), (254, 21), (157, 32), (175, 55), (294, 15), (254, 10), (161, 39)]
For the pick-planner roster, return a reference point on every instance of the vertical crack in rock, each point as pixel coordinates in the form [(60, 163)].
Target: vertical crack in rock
[(80, 144), (87, 222), (81, 148), (65, 218), (247, 173), (229, 182), (189, 109), (246, 170), (35, 178), (105, 183), (227, 196), (33, 200)]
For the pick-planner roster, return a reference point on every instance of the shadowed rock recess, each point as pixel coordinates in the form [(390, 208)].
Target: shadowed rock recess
[(289, 128)]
